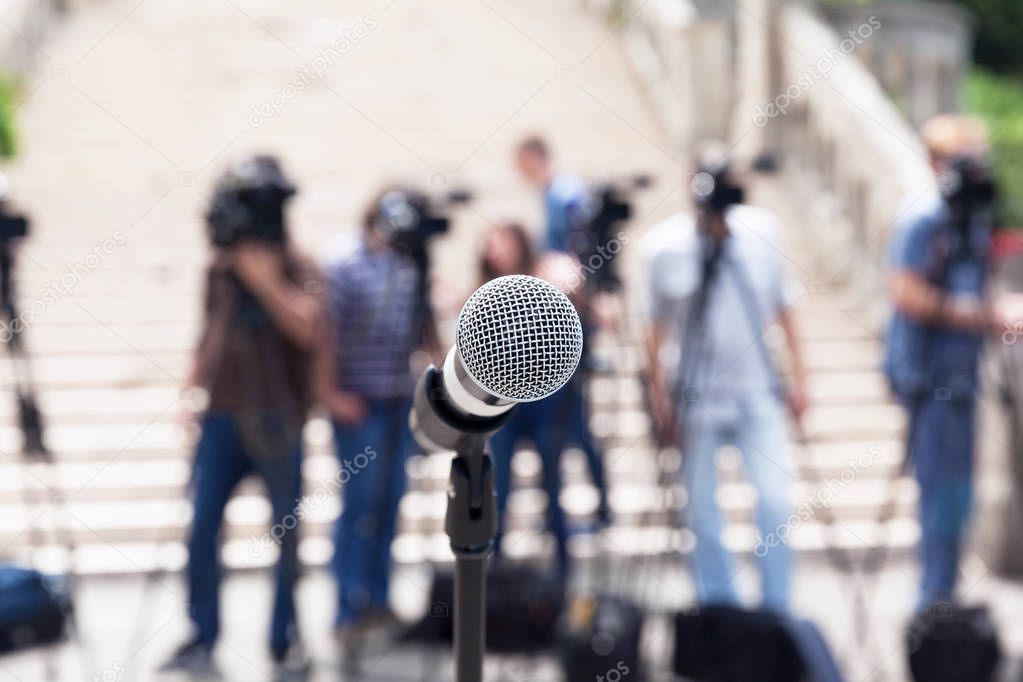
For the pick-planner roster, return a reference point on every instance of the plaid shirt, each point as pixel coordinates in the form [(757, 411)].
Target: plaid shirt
[(371, 300)]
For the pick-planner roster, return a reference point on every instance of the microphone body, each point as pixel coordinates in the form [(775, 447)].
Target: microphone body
[(518, 339), (446, 410)]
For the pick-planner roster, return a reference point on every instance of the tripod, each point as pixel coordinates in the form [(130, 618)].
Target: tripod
[(590, 368), (34, 450), (29, 418)]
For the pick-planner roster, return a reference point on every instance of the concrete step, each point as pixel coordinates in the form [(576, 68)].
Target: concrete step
[(832, 324), (811, 540), (111, 339), (127, 477), (248, 513)]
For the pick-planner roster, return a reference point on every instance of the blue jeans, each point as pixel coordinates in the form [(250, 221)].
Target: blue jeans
[(220, 463), (942, 440), (546, 423), (757, 427), (374, 453)]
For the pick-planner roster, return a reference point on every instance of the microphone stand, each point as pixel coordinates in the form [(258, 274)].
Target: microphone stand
[(444, 421), (471, 524), (471, 519)]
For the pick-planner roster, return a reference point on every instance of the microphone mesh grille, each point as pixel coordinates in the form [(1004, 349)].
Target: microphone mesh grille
[(519, 338)]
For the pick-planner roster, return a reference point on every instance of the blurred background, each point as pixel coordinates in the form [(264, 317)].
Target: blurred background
[(117, 116)]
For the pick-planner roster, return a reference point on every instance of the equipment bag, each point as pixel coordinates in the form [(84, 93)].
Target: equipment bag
[(523, 609), (601, 640), (953, 644), (728, 644), (33, 608)]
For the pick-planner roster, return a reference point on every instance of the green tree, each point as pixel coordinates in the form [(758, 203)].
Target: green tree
[(999, 33), (999, 101), (8, 94)]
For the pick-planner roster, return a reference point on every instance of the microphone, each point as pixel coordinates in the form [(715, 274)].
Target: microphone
[(518, 339)]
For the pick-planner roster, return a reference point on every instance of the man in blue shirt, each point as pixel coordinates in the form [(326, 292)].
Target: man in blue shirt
[(938, 282), (566, 201)]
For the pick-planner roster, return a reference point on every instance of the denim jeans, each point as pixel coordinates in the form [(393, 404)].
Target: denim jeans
[(757, 427), (545, 423), (220, 463), (374, 453), (943, 443)]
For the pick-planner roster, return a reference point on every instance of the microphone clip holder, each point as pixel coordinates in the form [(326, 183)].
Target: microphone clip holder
[(471, 520)]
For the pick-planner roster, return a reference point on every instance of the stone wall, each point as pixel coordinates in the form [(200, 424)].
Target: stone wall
[(683, 55), (998, 525), (920, 55), (855, 162)]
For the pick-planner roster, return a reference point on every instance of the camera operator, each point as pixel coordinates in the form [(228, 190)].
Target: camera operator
[(254, 361), (938, 282), (717, 281), (568, 210), (379, 315)]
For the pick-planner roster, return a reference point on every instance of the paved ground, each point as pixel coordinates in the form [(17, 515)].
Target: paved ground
[(133, 109), (129, 625)]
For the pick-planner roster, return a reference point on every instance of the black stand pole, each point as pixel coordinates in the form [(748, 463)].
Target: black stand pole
[(471, 524)]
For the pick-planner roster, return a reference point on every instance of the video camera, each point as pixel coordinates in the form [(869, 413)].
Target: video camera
[(967, 187), (248, 203), (609, 205), (11, 226), (407, 219), (715, 189)]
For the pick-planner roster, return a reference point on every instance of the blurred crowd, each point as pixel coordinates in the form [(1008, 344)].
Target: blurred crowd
[(282, 333)]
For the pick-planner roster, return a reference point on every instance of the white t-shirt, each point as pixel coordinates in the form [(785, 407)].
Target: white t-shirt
[(746, 295)]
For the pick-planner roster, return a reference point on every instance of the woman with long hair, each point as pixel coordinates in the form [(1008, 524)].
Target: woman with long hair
[(507, 250)]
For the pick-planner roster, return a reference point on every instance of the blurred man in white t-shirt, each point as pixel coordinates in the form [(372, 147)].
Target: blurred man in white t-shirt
[(717, 281)]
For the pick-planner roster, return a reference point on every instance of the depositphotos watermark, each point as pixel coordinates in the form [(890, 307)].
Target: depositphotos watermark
[(326, 57), (821, 499), (615, 674), (811, 74), (1013, 332), (74, 273), (314, 501), (115, 672)]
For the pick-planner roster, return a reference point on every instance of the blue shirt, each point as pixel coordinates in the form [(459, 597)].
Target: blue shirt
[(371, 302), (921, 359), (566, 205)]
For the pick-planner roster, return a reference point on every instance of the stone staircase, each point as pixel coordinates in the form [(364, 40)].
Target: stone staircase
[(122, 132)]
